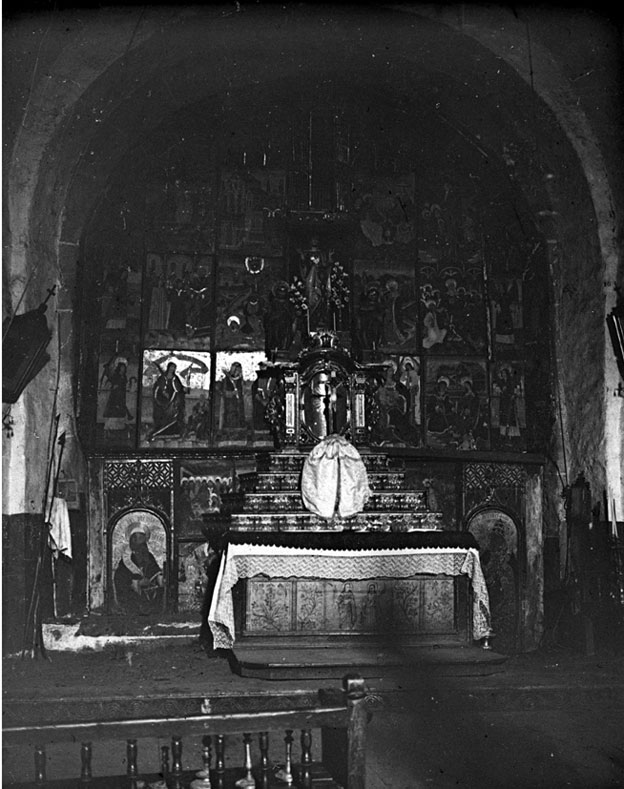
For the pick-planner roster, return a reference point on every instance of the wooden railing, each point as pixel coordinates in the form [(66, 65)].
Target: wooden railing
[(341, 717)]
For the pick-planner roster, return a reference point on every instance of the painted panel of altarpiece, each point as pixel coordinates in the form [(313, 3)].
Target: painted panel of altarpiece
[(202, 485), (117, 396), (396, 417), (409, 606), (453, 308), (175, 398), (386, 306), (248, 287), (192, 575), (248, 201), (506, 317), (117, 385), (455, 402), (508, 406), (239, 403), (178, 298), (386, 212)]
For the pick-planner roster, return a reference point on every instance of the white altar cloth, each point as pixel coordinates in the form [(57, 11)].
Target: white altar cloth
[(246, 561)]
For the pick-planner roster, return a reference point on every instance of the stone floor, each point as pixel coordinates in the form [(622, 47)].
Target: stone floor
[(547, 719)]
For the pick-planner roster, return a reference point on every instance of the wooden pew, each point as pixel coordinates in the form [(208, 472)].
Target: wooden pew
[(341, 716)]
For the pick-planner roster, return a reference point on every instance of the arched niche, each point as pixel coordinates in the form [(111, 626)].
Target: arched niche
[(499, 548), (138, 563)]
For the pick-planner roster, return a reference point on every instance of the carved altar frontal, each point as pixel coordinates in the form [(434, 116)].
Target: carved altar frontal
[(301, 607)]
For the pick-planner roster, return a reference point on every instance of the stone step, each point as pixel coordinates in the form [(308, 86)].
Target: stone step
[(291, 501), (271, 481), (307, 521)]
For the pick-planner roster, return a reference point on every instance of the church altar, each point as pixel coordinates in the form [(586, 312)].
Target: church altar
[(395, 570)]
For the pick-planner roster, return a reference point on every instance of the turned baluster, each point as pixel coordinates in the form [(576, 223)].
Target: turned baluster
[(247, 781), (202, 777), (164, 760), (40, 765), (85, 762), (220, 760), (176, 755), (306, 757), (264, 759), (132, 769), (287, 775)]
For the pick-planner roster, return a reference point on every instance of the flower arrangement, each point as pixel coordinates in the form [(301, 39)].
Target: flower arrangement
[(339, 291)]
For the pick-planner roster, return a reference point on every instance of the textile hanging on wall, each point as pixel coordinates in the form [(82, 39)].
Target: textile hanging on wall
[(334, 479)]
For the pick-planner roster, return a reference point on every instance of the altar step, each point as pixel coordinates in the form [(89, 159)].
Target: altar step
[(291, 501), (270, 481), (371, 661), (367, 521)]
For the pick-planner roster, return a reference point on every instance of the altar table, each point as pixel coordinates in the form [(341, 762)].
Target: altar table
[(275, 556)]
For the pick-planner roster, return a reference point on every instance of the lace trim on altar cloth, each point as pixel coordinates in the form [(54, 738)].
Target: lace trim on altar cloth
[(246, 561)]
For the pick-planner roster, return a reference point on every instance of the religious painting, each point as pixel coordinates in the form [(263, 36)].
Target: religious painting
[(497, 537), (203, 486), (239, 411), (138, 562), (453, 309), (508, 406), (117, 397), (121, 300), (175, 398), (386, 212), (185, 209), (386, 307), (250, 201), (249, 291), (178, 300), (438, 481), (455, 404), (506, 319), (193, 561), (396, 416)]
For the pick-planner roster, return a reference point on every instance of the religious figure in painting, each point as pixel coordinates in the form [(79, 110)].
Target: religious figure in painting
[(138, 579), (399, 329), (169, 403), (468, 413), (410, 379), (506, 389), (371, 318), (370, 615), (434, 333), (347, 609), (199, 419), (233, 403), (439, 407), (116, 413)]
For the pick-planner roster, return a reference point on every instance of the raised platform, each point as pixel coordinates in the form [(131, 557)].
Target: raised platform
[(369, 659)]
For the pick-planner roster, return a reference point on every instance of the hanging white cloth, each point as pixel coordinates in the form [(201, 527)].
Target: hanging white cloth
[(334, 479), (60, 531)]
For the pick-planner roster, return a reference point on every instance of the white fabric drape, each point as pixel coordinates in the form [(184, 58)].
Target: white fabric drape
[(60, 531), (334, 479)]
